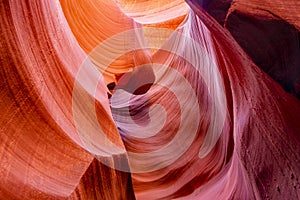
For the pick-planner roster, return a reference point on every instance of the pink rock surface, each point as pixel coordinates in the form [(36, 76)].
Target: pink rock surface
[(191, 116)]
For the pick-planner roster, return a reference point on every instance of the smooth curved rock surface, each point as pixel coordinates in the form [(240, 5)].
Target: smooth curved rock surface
[(269, 33), (190, 112)]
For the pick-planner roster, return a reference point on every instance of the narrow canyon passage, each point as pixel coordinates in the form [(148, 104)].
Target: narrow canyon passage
[(141, 99)]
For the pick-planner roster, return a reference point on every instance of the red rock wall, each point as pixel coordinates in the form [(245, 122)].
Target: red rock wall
[(268, 31), (202, 109)]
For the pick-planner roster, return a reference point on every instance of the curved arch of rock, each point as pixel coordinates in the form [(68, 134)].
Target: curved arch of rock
[(212, 125)]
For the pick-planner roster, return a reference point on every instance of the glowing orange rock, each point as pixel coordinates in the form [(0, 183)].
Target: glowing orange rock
[(191, 115)]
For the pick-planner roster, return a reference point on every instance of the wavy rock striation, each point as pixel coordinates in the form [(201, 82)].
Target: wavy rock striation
[(182, 100)]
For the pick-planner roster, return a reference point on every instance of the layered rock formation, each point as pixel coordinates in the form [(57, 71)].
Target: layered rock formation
[(268, 31), (149, 99)]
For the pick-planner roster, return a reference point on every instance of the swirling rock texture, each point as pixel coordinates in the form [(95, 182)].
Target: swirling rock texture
[(268, 31), (128, 99)]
